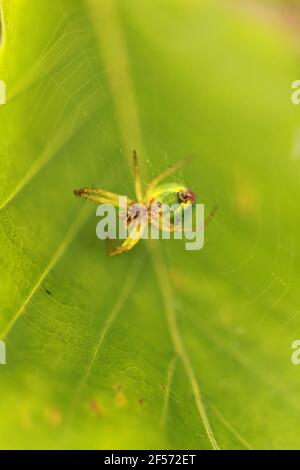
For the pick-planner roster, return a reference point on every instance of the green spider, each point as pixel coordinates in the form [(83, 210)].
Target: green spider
[(155, 195)]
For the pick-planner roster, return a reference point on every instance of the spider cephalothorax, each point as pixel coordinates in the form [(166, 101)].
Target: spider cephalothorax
[(136, 212), (139, 213)]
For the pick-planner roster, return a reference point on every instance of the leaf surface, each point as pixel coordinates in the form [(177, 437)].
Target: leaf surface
[(163, 347)]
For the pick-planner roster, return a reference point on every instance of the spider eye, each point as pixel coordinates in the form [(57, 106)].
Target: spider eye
[(187, 195)]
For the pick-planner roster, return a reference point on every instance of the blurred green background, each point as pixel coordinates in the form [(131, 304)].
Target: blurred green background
[(160, 348)]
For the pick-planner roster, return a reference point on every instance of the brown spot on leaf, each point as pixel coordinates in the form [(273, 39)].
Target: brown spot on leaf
[(120, 398), (96, 408), (54, 417)]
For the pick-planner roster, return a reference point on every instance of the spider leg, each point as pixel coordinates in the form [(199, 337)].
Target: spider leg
[(210, 216), (137, 177), (99, 195), (133, 238), (171, 169), (100, 200), (101, 192)]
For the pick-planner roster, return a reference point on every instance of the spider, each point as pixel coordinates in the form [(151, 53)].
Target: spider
[(155, 195)]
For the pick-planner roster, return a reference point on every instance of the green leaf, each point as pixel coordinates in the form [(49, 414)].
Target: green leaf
[(162, 347)]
